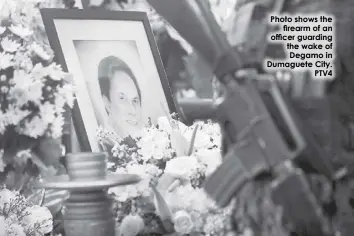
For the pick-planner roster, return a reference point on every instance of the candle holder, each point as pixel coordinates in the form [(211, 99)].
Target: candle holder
[(88, 210)]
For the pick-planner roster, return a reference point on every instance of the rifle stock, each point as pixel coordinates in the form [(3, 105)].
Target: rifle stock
[(198, 26), (197, 109)]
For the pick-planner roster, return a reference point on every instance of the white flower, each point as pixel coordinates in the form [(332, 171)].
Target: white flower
[(23, 61), (185, 166), (155, 144), (39, 71), (5, 9), (67, 94), (183, 222), (191, 199), (3, 89), (6, 197), (14, 229), (34, 92), (27, 37), (47, 112), (177, 140), (57, 126), (40, 216), (210, 129), (6, 60), (164, 124), (146, 170), (20, 31), (151, 171), (35, 127), (59, 102), (26, 88), (120, 170), (210, 157), (214, 224), (13, 116), (123, 193), (131, 225), (18, 92), (202, 140), (55, 72), (9, 45), (39, 51), (3, 78)]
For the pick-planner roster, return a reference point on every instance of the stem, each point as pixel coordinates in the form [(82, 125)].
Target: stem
[(191, 146), (163, 210), (174, 185)]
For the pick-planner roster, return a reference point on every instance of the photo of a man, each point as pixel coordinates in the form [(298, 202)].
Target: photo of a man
[(121, 95), (120, 83), (125, 94)]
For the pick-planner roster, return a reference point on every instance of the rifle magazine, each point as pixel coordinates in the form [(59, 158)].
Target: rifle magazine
[(226, 181)]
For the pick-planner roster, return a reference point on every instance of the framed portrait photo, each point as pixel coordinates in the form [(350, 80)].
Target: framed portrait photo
[(120, 80)]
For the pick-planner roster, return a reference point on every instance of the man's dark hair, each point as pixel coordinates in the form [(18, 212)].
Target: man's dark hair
[(106, 69)]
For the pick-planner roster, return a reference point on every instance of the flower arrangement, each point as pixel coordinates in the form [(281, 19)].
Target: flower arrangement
[(33, 89), (33, 94), (18, 217), (173, 161)]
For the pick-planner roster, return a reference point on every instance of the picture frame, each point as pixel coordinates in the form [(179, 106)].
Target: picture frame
[(85, 45)]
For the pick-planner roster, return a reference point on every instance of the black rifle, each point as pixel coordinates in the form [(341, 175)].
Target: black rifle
[(260, 130)]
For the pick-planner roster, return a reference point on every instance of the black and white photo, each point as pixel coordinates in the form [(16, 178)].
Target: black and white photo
[(120, 81)]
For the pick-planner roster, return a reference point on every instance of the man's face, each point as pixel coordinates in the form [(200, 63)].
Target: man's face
[(125, 105)]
